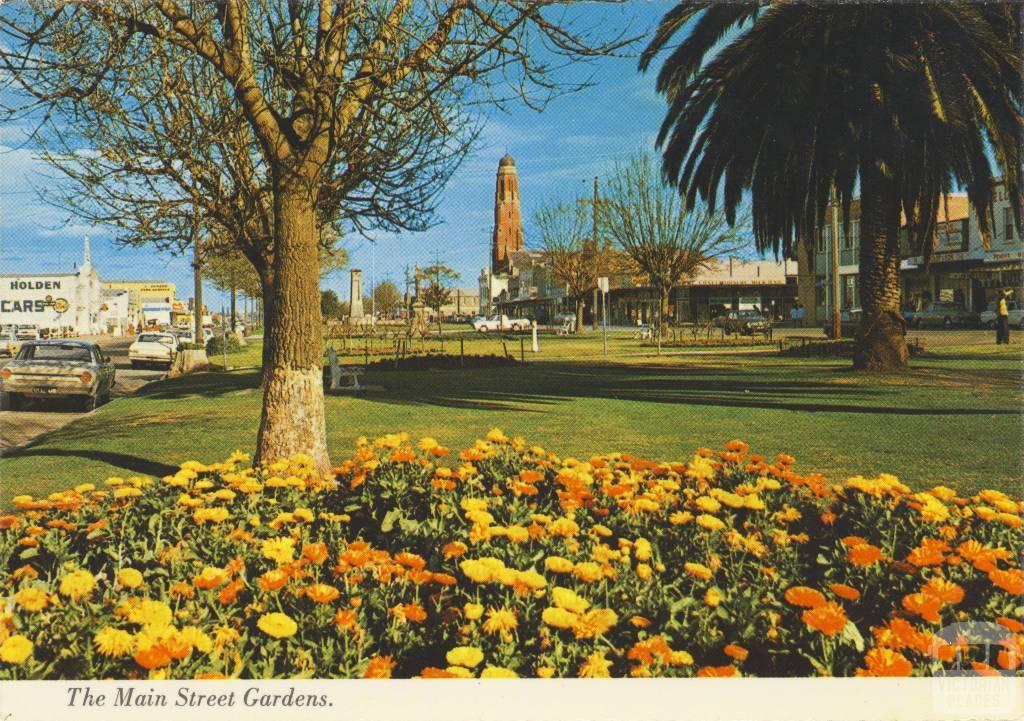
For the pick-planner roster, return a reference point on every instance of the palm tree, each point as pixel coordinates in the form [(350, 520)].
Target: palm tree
[(791, 100)]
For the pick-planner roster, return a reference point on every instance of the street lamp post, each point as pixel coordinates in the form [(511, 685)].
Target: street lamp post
[(837, 324), (373, 282)]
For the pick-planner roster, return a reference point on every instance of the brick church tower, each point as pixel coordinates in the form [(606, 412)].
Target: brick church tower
[(508, 223)]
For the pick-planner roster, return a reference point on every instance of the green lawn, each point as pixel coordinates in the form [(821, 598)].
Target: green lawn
[(955, 418)]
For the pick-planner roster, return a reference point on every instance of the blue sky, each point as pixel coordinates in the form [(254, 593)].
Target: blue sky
[(558, 152)]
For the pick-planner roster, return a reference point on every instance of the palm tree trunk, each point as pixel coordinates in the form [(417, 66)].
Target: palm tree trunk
[(665, 291), (293, 396), (881, 343)]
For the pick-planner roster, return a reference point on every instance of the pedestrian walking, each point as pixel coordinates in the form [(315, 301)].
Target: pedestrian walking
[(1003, 319)]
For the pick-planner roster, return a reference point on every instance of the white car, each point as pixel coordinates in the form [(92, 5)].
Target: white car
[(1016, 314), (153, 348), (499, 323)]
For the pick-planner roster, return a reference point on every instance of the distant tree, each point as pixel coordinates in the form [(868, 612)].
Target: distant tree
[(661, 239), (387, 298), (438, 292), (330, 306), (572, 257)]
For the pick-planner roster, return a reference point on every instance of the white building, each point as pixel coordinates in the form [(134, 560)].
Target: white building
[(118, 313), (60, 303)]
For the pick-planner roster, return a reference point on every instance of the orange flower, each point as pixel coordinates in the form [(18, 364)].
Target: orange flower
[(230, 592), (322, 593), (785, 460), (454, 549), (210, 578), (411, 612), (410, 560), (431, 672), (1011, 624), (737, 652), (829, 618), (854, 541), (843, 591), (443, 579), (315, 552), (152, 657), (736, 446), (865, 554), (805, 596), (273, 580), (885, 662), (651, 650), (379, 667), (983, 669), (945, 591), (1012, 657), (924, 605), (718, 672), (1011, 580), (346, 618)]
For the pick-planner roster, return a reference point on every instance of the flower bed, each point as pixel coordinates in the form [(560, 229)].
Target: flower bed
[(506, 560)]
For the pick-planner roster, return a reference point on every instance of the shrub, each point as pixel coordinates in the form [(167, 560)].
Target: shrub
[(216, 344), (505, 559)]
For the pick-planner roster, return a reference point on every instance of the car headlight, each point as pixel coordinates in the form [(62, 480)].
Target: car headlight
[(85, 377)]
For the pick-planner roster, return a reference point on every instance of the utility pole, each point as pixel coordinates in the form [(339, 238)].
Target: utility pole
[(197, 263), (837, 324), (597, 255), (373, 283)]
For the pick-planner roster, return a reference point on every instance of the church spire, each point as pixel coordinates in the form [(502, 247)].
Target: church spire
[(508, 224), (87, 258)]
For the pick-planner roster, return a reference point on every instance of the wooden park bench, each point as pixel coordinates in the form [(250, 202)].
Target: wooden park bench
[(338, 371)]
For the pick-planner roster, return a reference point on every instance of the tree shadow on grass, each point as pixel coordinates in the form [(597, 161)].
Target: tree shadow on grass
[(520, 387), (135, 464), (204, 385)]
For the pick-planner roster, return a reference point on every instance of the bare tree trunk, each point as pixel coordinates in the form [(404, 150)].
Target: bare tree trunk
[(665, 292), (579, 315), (267, 307), (293, 395), (881, 343)]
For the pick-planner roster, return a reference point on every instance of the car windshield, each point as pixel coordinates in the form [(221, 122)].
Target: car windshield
[(153, 338), (68, 353)]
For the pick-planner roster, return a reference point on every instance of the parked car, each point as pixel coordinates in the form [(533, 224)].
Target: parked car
[(153, 349), (9, 343), (1016, 314), (944, 314), (849, 322), (55, 368), (500, 323), (745, 322)]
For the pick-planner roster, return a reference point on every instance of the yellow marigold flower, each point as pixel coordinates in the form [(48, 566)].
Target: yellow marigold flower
[(753, 503), (681, 658), (642, 549), (531, 579), (127, 492), (601, 530), (32, 599), (113, 642), (197, 638), (943, 493), (496, 436), (712, 597), (588, 571), (557, 564), (77, 584), (680, 518), (644, 572), (428, 444), (210, 577), (85, 488), (459, 672), (303, 514), (707, 504), (280, 550), (545, 671), (596, 666), (148, 613), (709, 522), (211, 515), (129, 578), (698, 570), (477, 571), (498, 672), (473, 611), (467, 656), (15, 649), (700, 469), (517, 534), (559, 617), (568, 600), (564, 527), (500, 620), (594, 623), (277, 625)]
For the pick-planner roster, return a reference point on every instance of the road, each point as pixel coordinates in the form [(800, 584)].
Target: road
[(44, 415)]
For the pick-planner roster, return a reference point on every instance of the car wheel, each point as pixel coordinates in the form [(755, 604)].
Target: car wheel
[(1021, 325), (90, 403), (919, 323), (10, 401), (991, 325), (947, 323)]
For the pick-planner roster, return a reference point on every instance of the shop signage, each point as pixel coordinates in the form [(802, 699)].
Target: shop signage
[(1002, 257)]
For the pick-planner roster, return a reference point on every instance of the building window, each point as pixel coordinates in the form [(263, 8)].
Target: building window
[(821, 240), (1008, 223), (850, 292)]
